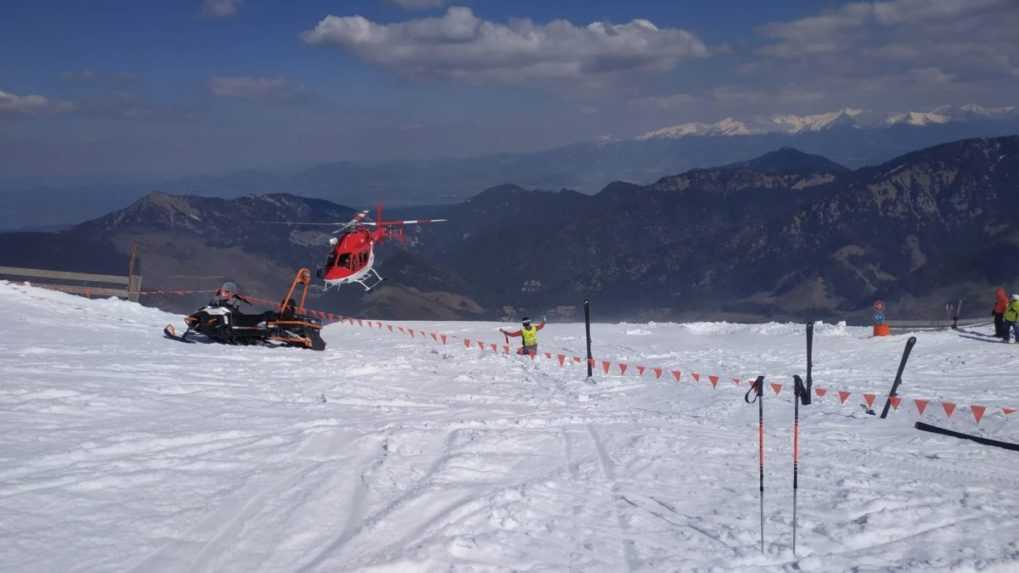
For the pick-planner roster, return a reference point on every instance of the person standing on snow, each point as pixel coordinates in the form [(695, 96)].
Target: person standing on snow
[(1000, 304), (1011, 318), (528, 335)]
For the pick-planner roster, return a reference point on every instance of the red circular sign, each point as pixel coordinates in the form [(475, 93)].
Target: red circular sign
[(879, 305)]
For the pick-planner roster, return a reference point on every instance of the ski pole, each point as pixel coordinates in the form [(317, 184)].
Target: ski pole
[(800, 394), (758, 389), (898, 375), (810, 363)]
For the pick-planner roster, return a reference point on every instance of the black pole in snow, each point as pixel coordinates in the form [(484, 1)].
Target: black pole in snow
[(898, 376), (800, 394), (810, 363), (587, 324), (758, 389)]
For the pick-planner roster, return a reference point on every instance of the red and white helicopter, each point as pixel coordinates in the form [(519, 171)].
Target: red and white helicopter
[(352, 258)]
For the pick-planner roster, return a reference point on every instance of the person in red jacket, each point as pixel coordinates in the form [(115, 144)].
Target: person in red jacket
[(529, 336), (1000, 305)]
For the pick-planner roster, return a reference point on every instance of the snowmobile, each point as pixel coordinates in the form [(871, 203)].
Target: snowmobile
[(288, 325)]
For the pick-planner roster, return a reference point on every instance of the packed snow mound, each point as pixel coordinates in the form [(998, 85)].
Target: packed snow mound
[(123, 450)]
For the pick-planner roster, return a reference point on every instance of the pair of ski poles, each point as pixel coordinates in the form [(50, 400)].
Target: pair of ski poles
[(802, 395), (801, 391)]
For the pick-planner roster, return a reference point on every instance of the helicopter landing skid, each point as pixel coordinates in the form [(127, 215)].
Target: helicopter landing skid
[(370, 280)]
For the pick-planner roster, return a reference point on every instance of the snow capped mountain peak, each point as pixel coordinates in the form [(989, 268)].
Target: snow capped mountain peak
[(918, 119), (980, 110), (727, 126), (845, 117)]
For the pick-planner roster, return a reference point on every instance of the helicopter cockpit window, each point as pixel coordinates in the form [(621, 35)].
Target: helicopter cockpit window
[(344, 260), (331, 260)]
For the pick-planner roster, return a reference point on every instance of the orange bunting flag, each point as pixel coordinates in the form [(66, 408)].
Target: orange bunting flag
[(921, 405), (411, 332), (713, 380), (622, 368), (390, 327), (895, 400), (640, 370), (435, 337), (467, 343), (736, 381), (1008, 411), (562, 359), (400, 328), (495, 348), (577, 359), (949, 408), (869, 399), (696, 376), (820, 392), (676, 374), (606, 365), (548, 355), (777, 388), (359, 323), (843, 396), (658, 373), (443, 337), (591, 362), (978, 412), (481, 345)]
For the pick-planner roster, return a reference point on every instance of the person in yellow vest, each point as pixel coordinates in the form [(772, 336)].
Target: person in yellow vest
[(528, 334), (1012, 318)]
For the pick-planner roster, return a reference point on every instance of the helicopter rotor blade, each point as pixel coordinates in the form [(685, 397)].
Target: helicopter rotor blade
[(408, 222)]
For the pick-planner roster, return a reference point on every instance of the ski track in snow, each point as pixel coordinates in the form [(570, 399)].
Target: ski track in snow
[(124, 451)]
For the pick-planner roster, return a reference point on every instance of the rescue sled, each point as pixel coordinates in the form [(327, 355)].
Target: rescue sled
[(287, 325)]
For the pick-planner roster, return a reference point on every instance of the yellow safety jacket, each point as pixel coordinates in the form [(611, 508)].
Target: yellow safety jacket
[(1012, 312), (530, 336)]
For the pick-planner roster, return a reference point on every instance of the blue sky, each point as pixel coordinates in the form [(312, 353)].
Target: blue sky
[(205, 86)]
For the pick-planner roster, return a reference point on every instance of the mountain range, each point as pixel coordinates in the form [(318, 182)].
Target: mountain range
[(785, 235), (851, 137)]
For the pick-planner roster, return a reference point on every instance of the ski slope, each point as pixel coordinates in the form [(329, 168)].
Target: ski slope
[(123, 451)]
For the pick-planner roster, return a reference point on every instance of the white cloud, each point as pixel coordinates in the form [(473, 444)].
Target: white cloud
[(937, 41), (28, 104), (248, 87), (221, 8), (418, 4), (462, 46)]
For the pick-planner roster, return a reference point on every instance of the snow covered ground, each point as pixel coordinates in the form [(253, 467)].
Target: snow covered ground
[(121, 450)]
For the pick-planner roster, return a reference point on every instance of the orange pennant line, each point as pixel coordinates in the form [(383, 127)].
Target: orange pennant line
[(622, 369), (606, 365), (820, 392), (1008, 411), (978, 412), (640, 370), (696, 376), (658, 373), (777, 388), (843, 396), (921, 405), (949, 408), (713, 380), (869, 399), (895, 400), (562, 359), (676, 374)]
